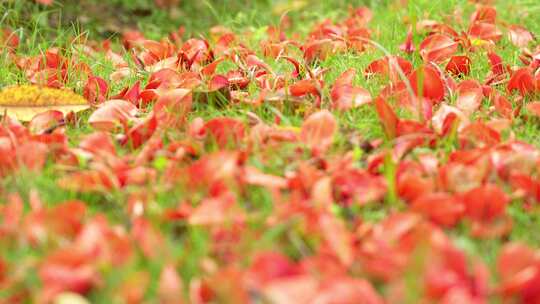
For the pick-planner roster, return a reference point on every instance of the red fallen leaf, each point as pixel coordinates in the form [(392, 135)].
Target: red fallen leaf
[(437, 48), (431, 27), (253, 61), (269, 266), (386, 247), (156, 51), (172, 107), (46, 122), (348, 291), (317, 49), (296, 64), (131, 39), (519, 36), (346, 96), (253, 176), (225, 130), (293, 289), (485, 31), (429, 79), (141, 132), (98, 143), (54, 59), (496, 63), (238, 79), (448, 271), (412, 185), (485, 203), (527, 186), (305, 87), (32, 155), (534, 108), (12, 213), (387, 116), (338, 238), (170, 288), (218, 82), (450, 122), (196, 51), (147, 237), (67, 270), (210, 69), (407, 143), (408, 45), (388, 67), (112, 113), (211, 168), (470, 96), (486, 14), (318, 130), (217, 211), (104, 243), (66, 219), (90, 181), (95, 90), (523, 81), (130, 94), (518, 266), (496, 229), (478, 133), (407, 127), (357, 186), (442, 208), (503, 106), (459, 65), (167, 78)]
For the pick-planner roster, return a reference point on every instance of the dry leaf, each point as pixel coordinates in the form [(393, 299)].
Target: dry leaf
[(25, 101)]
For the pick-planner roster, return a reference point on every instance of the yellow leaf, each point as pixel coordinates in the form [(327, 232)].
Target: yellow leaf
[(25, 101)]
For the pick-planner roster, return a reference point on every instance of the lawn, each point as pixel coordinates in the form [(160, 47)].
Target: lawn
[(269, 151)]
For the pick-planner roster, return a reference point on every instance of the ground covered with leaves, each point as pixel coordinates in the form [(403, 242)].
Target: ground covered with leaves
[(270, 152)]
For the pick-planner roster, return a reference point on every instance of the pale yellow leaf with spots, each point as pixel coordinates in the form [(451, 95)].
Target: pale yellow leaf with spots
[(25, 101)]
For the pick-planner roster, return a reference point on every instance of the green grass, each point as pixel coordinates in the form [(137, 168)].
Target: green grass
[(190, 245)]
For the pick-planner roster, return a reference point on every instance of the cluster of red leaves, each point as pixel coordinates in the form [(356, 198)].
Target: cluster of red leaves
[(340, 256)]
